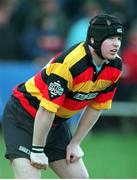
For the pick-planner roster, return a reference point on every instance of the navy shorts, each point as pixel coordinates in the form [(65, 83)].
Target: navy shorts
[(17, 127)]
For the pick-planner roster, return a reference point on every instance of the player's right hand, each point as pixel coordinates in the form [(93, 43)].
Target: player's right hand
[(39, 160)]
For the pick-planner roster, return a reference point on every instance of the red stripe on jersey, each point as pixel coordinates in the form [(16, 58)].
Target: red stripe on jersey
[(88, 75), (39, 83), (24, 102), (74, 105), (105, 97), (46, 93), (107, 74), (59, 100)]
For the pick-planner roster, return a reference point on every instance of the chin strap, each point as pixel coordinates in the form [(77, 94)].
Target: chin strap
[(98, 52)]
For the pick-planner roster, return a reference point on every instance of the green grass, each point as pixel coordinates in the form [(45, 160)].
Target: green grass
[(111, 155), (107, 155)]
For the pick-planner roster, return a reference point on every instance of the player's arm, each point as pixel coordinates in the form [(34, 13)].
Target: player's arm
[(42, 125), (87, 121)]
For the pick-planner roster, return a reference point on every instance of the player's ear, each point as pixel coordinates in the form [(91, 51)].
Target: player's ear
[(92, 40)]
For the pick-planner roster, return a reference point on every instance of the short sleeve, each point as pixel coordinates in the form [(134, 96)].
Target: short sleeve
[(57, 86)]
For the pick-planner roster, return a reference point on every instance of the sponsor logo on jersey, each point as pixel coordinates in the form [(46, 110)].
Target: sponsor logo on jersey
[(82, 97), (55, 88)]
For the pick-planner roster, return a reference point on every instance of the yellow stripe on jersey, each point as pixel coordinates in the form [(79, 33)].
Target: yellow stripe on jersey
[(52, 68), (32, 89), (49, 105), (62, 71), (100, 106), (74, 56), (65, 113), (92, 86)]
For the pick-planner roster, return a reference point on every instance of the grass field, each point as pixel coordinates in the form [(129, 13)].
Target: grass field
[(107, 155)]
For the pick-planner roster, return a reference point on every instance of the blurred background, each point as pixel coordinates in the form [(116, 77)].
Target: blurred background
[(32, 32)]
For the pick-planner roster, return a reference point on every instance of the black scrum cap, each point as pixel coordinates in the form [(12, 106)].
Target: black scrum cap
[(102, 27)]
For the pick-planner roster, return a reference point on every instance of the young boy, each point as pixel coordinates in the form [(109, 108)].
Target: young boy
[(34, 121)]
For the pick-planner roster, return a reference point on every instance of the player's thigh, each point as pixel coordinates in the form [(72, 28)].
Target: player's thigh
[(24, 170), (76, 170), (17, 130)]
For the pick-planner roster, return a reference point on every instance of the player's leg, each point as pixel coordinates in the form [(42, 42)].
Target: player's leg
[(76, 170), (17, 130), (57, 141), (24, 170)]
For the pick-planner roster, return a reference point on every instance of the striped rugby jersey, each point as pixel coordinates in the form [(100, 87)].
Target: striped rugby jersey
[(69, 82)]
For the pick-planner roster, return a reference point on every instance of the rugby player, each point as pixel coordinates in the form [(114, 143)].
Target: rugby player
[(85, 77)]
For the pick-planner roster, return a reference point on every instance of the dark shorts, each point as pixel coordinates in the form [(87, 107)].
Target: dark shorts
[(17, 127)]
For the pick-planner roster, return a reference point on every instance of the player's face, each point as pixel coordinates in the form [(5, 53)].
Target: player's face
[(110, 47)]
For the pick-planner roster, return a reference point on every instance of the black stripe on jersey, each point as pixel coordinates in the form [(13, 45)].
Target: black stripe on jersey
[(31, 99), (44, 75), (79, 67), (72, 95), (110, 88), (61, 58), (117, 63)]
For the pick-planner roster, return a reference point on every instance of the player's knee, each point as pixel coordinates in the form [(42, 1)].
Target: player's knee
[(23, 169), (26, 173), (22, 173)]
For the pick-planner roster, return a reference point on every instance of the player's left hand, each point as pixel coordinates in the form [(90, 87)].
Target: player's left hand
[(74, 152)]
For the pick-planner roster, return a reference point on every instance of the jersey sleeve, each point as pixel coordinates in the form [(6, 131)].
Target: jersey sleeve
[(57, 85)]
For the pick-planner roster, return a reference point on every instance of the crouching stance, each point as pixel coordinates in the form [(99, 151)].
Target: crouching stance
[(35, 128)]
